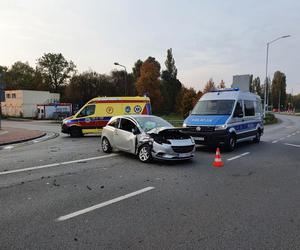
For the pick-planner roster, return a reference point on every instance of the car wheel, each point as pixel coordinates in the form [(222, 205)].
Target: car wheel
[(106, 147), (75, 132), (257, 137), (231, 145), (144, 153)]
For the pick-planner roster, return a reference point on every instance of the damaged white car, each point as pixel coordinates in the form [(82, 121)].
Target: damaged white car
[(147, 136)]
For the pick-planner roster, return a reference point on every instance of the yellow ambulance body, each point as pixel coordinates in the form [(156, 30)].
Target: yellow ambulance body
[(95, 114)]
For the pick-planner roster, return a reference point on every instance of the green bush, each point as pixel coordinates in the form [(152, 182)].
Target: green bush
[(270, 119)]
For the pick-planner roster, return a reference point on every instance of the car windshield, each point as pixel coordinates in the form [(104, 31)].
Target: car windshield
[(150, 122), (213, 107)]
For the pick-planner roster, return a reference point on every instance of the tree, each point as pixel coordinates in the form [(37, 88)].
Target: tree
[(136, 70), (149, 84), (20, 76), (296, 102), (255, 87), (186, 100), (197, 97), (278, 89), (171, 86), (221, 85), (170, 64), (3, 74), (210, 85), (86, 86), (56, 70)]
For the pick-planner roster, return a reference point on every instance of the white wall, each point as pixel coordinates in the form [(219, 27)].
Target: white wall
[(26, 102)]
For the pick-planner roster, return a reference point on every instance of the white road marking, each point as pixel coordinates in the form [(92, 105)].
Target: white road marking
[(288, 136), (298, 132), (293, 145), (8, 147), (293, 133), (103, 204), (56, 164), (274, 141), (238, 156), (3, 132)]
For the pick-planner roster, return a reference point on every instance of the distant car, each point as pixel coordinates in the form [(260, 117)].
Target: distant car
[(147, 136)]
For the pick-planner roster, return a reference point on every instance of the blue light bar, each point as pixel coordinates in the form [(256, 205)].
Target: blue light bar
[(224, 90)]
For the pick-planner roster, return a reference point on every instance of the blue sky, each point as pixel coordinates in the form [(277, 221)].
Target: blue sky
[(215, 39)]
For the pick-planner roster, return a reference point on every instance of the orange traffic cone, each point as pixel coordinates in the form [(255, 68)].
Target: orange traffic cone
[(218, 161)]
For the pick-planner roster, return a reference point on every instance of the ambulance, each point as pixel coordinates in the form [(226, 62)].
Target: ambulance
[(95, 114), (226, 117)]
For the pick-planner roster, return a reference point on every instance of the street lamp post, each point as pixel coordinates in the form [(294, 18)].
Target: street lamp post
[(267, 60), (125, 75)]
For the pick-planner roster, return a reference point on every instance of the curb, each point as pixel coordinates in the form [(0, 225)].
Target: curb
[(24, 140), (45, 137)]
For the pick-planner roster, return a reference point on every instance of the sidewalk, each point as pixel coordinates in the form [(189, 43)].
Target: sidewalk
[(15, 135)]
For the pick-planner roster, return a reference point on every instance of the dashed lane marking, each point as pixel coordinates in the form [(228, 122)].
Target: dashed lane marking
[(293, 145), (238, 156), (8, 147), (56, 164), (103, 204)]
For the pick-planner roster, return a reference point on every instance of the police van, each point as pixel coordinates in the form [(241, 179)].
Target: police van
[(96, 113), (226, 117)]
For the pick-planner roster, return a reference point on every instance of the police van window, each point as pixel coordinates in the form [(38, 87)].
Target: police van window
[(238, 109), (213, 107), (127, 125), (88, 110), (249, 108), (114, 123), (258, 109)]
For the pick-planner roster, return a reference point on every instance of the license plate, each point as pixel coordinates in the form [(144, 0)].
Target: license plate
[(198, 138), (185, 155)]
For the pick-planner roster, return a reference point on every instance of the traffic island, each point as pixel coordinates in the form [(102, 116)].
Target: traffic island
[(17, 135)]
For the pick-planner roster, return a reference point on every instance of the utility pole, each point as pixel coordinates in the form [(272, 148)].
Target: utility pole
[(125, 75), (279, 101), (266, 97)]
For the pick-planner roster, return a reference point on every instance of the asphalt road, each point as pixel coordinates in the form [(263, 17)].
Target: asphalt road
[(64, 193)]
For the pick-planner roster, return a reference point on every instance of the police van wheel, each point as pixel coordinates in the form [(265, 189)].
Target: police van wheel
[(106, 147), (75, 132), (257, 137), (231, 145), (144, 153)]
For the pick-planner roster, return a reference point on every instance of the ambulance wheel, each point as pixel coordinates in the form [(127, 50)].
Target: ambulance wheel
[(257, 136), (231, 144), (144, 153), (75, 132), (106, 147)]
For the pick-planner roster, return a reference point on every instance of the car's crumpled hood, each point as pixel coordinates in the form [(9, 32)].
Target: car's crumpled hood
[(164, 129)]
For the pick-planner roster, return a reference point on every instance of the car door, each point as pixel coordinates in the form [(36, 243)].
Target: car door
[(238, 118), (86, 119), (124, 136), (250, 121)]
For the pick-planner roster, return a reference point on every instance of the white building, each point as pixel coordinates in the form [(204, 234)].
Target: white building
[(23, 103)]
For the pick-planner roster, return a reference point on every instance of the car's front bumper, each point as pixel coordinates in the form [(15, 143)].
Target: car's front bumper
[(167, 152), (65, 129), (210, 137)]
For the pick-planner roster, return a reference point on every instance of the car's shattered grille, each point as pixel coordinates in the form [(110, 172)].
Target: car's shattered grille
[(183, 149)]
